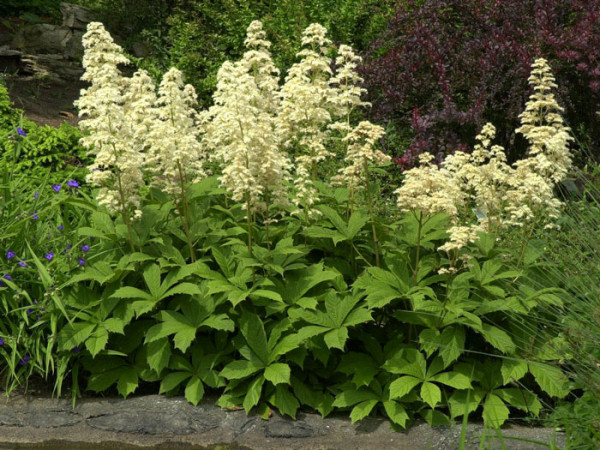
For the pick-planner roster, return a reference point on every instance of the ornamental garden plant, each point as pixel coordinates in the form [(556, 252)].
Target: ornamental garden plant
[(249, 250)]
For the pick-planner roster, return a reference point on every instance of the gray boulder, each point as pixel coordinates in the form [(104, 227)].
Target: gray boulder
[(42, 39), (75, 16)]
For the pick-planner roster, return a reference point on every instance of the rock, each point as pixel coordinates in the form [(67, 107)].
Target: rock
[(42, 39), (288, 429), (51, 418), (10, 60), (75, 16), (53, 67), (74, 47), (140, 49), (150, 422), (9, 419)]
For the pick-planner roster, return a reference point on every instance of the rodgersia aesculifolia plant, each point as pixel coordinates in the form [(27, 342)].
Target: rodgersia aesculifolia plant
[(318, 287), (117, 168), (484, 187)]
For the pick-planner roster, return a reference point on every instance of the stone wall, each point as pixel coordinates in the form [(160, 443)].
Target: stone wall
[(48, 51)]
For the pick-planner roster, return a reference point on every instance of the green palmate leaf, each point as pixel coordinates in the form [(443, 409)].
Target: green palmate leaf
[(520, 398), (435, 418), (402, 386), (152, 279), (278, 373), (452, 344), (263, 293), (128, 381), (334, 218), (299, 282), (362, 410), (498, 338), (97, 341), (74, 334), (320, 232), (336, 338), (194, 391), (396, 413), (361, 366), (551, 379), (431, 394), (254, 332), (131, 292), (513, 370), (252, 397), (172, 380), (429, 340), (285, 401), (464, 402), (240, 369), (318, 400), (411, 362), (357, 221), (114, 325), (182, 288), (173, 323), (352, 397), (158, 354), (452, 379), (495, 412), (219, 322)]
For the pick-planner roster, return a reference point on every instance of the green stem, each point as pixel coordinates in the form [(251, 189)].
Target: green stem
[(124, 214), (370, 201), (184, 212), (418, 256), (249, 222)]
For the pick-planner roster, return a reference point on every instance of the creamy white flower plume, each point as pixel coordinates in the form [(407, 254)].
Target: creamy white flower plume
[(175, 154), (360, 153), (240, 129), (117, 168)]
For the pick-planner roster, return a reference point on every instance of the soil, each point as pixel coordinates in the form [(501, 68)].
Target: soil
[(45, 102)]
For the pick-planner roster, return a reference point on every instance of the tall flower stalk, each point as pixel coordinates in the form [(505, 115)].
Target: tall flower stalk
[(240, 131), (176, 156), (117, 168)]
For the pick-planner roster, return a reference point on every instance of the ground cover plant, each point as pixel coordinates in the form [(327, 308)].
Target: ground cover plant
[(222, 251)]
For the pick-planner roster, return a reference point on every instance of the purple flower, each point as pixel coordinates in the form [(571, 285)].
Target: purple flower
[(73, 183), (81, 261), (76, 349), (56, 187), (22, 263), (29, 311), (35, 195), (49, 256), (34, 215), (61, 227), (10, 254), (85, 248), (1, 341), (24, 360), (8, 277), (21, 132)]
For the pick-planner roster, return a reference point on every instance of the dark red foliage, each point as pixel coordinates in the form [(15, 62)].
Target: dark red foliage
[(445, 67)]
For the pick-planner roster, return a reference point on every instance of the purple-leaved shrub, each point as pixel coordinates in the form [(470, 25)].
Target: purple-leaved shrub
[(444, 68)]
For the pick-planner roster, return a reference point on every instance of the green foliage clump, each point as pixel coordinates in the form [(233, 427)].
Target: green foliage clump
[(197, 37), (28, 148), (20, 7)]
